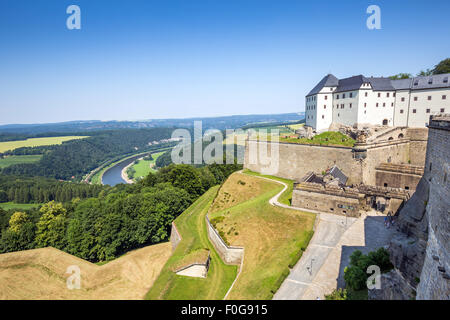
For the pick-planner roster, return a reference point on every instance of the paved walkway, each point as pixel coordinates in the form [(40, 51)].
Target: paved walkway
[(321, 267)]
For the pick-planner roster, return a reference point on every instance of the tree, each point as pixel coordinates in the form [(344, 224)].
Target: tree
[(51, 227), (442, 67), (19, 235), (401, 76), (425, 73), (3, 196)]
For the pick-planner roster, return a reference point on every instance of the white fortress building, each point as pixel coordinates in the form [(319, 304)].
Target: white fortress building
[(360, 100)]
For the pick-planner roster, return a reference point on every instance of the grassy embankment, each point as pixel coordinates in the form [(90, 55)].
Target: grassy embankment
[(286, 197), (274, 238), (324, 139), (40, 274), (36, 142), (143, 167), (191, 225), (10, 160)]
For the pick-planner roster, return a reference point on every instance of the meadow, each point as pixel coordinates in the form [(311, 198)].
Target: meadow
[(143, 167), (18, 206), (36, 142), (10, 160)]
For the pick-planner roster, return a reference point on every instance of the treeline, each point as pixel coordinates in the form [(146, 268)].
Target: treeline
[(21, 189), (119, 219), (73, 159)]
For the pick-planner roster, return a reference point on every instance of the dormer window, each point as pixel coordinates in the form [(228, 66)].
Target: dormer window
[(430, 81), (416, 83), (446, 80)]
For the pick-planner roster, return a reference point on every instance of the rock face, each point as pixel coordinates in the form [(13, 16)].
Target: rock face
[(421, 255)]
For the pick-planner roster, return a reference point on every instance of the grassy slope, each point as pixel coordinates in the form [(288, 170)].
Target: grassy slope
[(35, 142), (41, 274), (8, 161), (143, 167), (192, 227), (23, 206), (286, 197), (273, 237)]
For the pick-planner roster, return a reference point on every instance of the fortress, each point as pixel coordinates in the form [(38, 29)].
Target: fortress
[(361, 100), (403, 171)]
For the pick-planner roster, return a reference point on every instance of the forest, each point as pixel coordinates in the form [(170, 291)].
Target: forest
[(113, 220), (73, 159)]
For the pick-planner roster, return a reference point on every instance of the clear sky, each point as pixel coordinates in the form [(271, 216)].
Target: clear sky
[(162, 59)]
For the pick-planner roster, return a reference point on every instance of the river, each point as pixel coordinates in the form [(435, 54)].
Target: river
[(113, 175)]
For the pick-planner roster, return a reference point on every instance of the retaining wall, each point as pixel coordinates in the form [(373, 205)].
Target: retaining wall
[(229, 254)]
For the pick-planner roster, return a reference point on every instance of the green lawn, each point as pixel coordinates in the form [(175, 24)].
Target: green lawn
[(18, 206), (286, 197), (10, 160), (192, 227), (328, 138), (36, 142), (144, 167)]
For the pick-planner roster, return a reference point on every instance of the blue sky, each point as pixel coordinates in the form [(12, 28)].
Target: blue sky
[(162, 59)]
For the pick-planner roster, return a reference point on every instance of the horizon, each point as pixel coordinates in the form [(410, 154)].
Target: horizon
[(178, 60)]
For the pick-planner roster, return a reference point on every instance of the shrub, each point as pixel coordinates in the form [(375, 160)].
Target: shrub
[(337, 294)]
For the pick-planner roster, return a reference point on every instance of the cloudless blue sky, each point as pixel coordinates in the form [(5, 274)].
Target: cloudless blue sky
[(162, 59)]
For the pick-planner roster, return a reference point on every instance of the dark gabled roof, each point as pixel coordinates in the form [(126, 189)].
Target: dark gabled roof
[(401, 84), (352, 83), (381, 84), (328, 81), (437, 81), (337, 174)]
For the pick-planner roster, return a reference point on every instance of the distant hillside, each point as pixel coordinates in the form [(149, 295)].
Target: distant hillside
[(220, 123)]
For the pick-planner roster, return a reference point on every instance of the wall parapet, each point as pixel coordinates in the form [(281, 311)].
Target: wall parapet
[(229, 254)]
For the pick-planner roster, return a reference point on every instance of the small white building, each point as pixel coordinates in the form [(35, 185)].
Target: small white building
[(361, 100)]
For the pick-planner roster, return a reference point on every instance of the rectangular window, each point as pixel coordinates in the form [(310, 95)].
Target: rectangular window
[(326, 97), (351, 94), (379, 94), (384, 104), (337, 96), (442, 110), (324, 106), (343, 96), (403, 99), (350, 105), (365, 104), (401, 110), (429, 97), (444, 97), (377, 104), (323, 117), (414, 110), (365, 94), (387, 94), (428, 111), (392, 104), (415, 98), (393, 94)]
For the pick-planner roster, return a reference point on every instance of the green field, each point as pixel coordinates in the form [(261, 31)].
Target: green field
[(18, 206), (191, 225), (286, 197), (143, 167), (36, 142), (10, 160)]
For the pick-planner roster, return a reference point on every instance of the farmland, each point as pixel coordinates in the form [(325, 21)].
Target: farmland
[(36, 142), (11, 160)]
